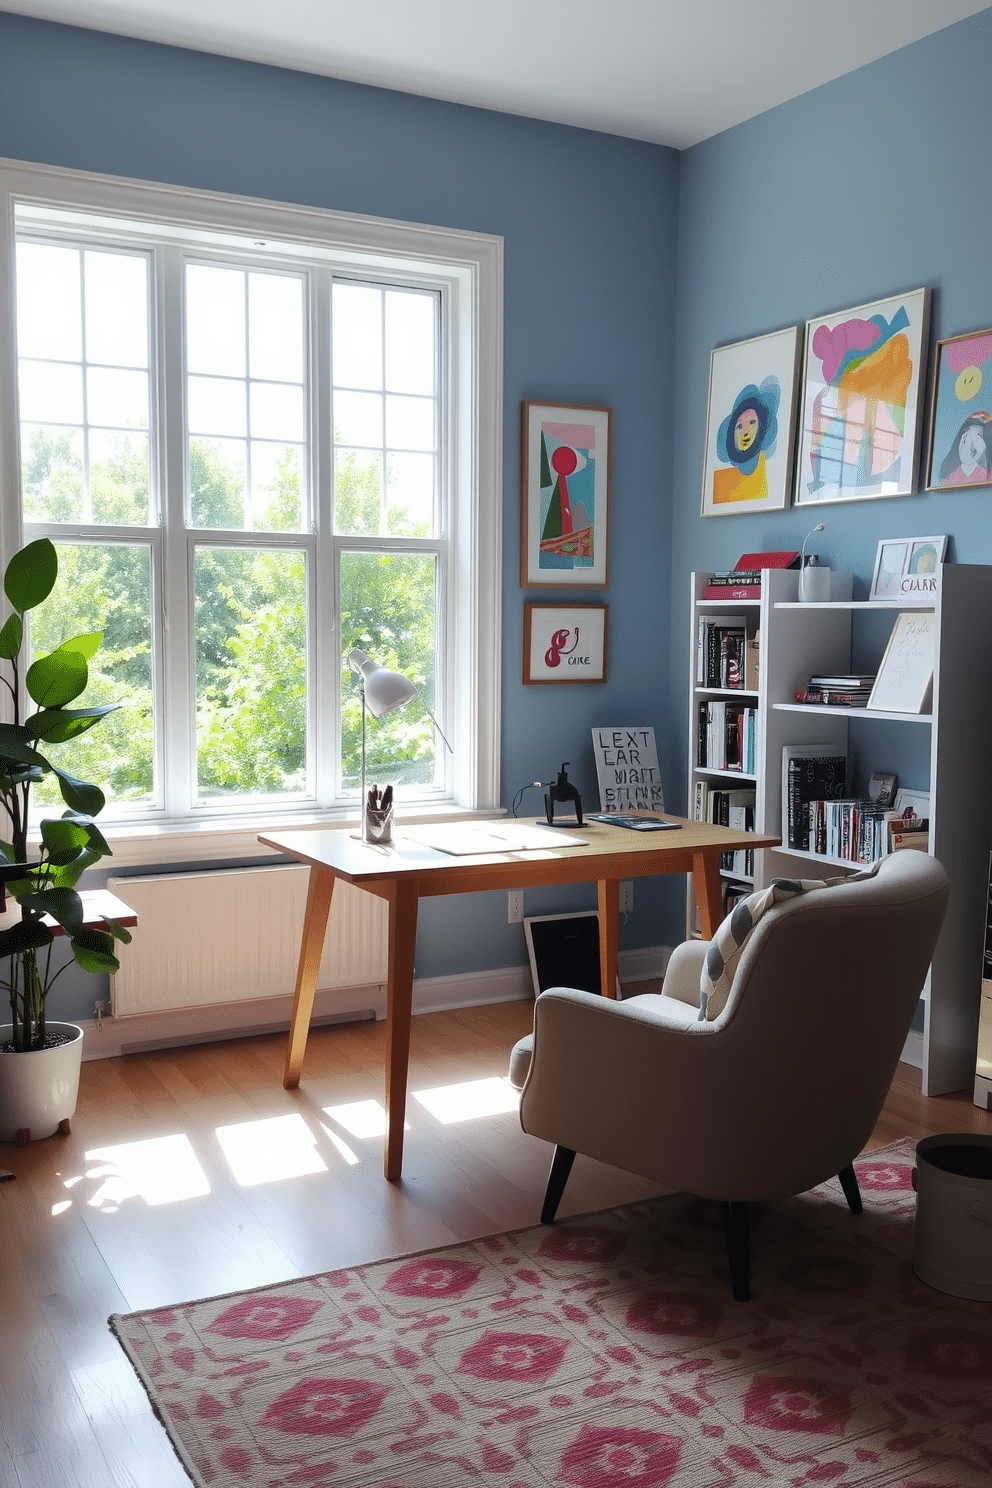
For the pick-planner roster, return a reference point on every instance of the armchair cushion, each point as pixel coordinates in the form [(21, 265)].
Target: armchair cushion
[(729, 942)]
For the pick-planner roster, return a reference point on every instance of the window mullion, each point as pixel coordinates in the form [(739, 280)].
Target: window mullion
[(325, 679)]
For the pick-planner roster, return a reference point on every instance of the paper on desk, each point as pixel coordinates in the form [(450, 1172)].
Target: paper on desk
[(464, 839)]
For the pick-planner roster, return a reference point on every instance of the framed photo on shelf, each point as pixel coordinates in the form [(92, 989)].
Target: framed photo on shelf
[(907, 569), (859, 433), (904, 683), (565, 643), (565, 489), (750, 423), (959, 454), (915, 802)]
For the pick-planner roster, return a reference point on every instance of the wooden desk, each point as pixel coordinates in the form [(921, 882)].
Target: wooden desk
[(407, 871)]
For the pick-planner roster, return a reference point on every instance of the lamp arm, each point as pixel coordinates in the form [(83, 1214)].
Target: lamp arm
[(433, 719)]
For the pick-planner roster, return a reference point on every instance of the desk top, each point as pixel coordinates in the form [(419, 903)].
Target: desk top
[(96, 904), (608, 852)]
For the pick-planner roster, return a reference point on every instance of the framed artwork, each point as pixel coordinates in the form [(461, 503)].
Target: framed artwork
[(859, 433), (750, 418), (960, 447), (565, 643), (564, 527), (907, 569), (904, 683)]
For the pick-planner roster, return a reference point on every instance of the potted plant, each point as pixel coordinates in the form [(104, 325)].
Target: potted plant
[(39, 1060)]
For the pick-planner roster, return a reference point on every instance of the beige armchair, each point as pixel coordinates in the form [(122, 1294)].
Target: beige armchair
[(775, 1094)]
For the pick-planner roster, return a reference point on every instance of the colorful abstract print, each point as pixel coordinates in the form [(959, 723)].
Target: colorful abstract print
[(745, 441), (568, 489)]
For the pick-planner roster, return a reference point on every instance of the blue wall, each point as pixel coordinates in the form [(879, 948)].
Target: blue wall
[(589, 228), (867, 187)]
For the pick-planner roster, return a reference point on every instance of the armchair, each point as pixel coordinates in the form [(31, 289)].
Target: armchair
[(776, 1093)]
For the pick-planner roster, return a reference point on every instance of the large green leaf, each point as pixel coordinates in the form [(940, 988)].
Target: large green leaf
[(87, 645), (11, 637), (117, 930), (65, 875), (31, 574), (94, 950), (25, 935), (16, 746), (63, 834), (54, 680), (78, 794), (64, 906), (56, 725)]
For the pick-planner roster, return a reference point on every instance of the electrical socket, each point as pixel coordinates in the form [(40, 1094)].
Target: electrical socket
[(515, 906), (627, 896)]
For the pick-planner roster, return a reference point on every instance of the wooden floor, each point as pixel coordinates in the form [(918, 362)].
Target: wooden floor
[(192, 1172)]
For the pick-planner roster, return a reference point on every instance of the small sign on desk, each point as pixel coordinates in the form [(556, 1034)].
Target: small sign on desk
[(627, 769)]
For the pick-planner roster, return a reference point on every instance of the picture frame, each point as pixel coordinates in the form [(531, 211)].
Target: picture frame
[(565, 643), (750, 425), (904, 683), (907, 569), (565, 496), (959, 448), (862, 380)]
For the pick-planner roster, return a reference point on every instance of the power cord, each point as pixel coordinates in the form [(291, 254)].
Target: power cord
[(541, 785)]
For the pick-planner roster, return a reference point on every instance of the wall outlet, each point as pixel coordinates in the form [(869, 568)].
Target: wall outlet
[(627, 895), (515, 906)]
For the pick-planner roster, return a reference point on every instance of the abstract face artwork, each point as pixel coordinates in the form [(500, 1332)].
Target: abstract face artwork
[(749, 425), (961, 421)]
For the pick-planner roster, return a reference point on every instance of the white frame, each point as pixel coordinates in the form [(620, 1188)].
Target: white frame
[(821, 351), (469, 265), (888, 589), (733, 369), (583, 661)]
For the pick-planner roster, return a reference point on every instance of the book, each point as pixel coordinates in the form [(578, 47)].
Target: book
[(711, 647), (809, 772), (752, 561), (834, 697), (736, 576), (851, 681), (732, 591)]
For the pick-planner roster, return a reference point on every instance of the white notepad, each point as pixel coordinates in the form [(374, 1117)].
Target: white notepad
[(463, 839)]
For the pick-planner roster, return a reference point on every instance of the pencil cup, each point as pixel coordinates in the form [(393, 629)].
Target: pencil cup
[(379, 824)]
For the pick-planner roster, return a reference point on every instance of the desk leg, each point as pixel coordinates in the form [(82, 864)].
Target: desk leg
[(403, 901), (319, 890), (609, 914), (709, 891)]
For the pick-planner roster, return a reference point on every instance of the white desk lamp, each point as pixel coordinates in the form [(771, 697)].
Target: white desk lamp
[(382, 691)]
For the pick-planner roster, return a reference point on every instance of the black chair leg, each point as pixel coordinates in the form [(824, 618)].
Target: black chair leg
[(849, 1183), (737, 1224), (561, 1166)]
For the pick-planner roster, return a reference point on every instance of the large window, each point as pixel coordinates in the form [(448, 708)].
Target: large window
[(255, 451)]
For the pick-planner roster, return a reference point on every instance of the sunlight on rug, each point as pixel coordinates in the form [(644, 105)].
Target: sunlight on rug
[(603, 1352)]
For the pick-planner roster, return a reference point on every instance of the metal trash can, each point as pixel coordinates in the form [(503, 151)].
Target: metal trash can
[(953, 1182)]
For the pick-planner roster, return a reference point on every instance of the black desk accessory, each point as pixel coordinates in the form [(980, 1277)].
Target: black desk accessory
[(562, 791)]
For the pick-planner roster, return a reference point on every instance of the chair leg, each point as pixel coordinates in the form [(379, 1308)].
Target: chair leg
[(737, 1224), (561, 1166), (852, 1193)]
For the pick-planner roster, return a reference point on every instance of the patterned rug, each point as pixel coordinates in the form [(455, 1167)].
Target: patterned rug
[(604, 1352)]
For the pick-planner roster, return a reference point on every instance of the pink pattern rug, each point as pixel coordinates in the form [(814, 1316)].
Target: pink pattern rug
[(605, 1352)]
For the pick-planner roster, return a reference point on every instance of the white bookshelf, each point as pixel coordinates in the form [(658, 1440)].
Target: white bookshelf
[(800, 639)]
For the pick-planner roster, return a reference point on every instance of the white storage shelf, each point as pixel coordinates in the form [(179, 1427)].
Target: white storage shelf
[(797, 640)]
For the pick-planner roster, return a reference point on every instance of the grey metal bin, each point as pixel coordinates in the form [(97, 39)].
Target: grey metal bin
[(953, 1245)]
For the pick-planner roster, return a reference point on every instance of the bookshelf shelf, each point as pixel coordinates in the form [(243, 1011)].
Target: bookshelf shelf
[(799, 639)]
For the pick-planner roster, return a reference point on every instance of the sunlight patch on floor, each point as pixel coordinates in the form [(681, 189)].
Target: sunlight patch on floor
[(361, 1118), (271, 1150), (159, 1170), (469, 1101)]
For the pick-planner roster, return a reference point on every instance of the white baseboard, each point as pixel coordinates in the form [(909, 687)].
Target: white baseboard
[(113, 1036), (914, 1050)]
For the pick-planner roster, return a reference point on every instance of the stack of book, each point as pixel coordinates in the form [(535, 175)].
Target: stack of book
[(838, 690), (743, 581), (722, 655)]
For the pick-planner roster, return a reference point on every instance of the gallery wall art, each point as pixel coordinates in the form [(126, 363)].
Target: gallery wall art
[(566, 496), (960, 452), (750, 421), (862, 380)]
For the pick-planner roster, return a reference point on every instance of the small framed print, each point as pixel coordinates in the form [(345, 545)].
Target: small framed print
[(907, 569), (565, 490), (750, 425), (960, 453), (565, 643)]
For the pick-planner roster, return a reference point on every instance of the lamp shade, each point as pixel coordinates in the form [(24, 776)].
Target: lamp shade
[(384, 690)]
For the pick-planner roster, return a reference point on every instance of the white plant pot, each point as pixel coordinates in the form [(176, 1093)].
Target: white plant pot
[(38, 1090)]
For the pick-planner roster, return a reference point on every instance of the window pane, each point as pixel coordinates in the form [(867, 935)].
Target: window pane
[(50, 392), (215, 320), (410, 423), (357, 418), (356, 336), (217, 482), (276, 486), (410, 354), (357, 492), (251, 672), (216, 405), (51, 473), (275, 327), (410, 495), (49, 320), (388, 608), (105, 587), (117, 399), (119, 478), (276, 411), (116, 309)]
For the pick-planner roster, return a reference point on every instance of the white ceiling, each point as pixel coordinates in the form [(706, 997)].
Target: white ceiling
[(670, 71)]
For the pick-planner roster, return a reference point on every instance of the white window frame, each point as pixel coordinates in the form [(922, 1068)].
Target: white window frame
[(468, 267)]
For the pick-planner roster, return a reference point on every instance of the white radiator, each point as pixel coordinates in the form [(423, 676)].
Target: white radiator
[(204, 939)]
